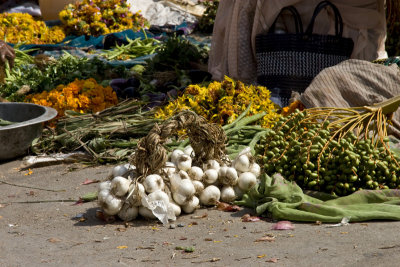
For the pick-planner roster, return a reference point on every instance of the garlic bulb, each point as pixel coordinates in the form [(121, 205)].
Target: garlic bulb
[(255, 169), (128, 212), (119, 170), (175, 155), (228, 194), (191, 205), (169, 168), (238, 192), (231, 177), (186, 189), (102, 195), (135, 194), (189, 151), (222, 172), (111, 205), (120, 186), (210, 195), (196, 173), (157, 196), (106, 185), (184, 162), (179, 199), (153, 183), (242, 163), (211, 164), (210, 176), (176, 208), (246, 181), (198, 186), (146, 213)]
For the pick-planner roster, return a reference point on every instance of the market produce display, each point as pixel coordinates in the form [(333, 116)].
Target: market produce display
[(23, 28), (133, 49), (47, 73), (108, 136), (83, 96), (200, 175), (222, 102), (98, 17), (337, 151)]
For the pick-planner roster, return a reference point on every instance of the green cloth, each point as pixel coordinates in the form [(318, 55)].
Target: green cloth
[(285, 200)]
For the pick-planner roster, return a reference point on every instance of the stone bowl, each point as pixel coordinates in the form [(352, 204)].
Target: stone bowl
[(15, 139)]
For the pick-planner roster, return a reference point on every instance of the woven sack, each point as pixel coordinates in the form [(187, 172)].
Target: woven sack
[(288, 62)]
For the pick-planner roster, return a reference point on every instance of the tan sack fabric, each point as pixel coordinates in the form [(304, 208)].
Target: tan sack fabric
[(239, 21), (355, 83)]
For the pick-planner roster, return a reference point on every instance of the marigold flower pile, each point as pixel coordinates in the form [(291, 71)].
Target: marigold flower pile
[(82, 96), (98, 17), (23, 28), (222, 102)]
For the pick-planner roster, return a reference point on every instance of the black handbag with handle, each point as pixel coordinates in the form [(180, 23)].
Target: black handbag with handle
[(288, 62)]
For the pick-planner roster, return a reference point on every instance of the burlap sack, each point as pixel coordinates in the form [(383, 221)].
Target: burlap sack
[(239, 21), (355, 83)]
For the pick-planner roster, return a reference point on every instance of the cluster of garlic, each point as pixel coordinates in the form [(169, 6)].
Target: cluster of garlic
[(188, 186)]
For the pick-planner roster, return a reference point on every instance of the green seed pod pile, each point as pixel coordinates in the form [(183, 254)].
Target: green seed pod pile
[(305, 153)]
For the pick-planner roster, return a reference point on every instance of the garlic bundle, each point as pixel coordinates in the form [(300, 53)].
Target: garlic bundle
[(186, 186)]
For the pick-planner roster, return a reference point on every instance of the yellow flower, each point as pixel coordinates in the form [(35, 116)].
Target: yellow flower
[(222, 102)]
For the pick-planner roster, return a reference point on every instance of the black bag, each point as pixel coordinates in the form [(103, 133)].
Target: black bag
[(289, 62)]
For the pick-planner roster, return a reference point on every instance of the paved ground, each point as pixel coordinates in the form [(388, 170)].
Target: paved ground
[(47, 231)]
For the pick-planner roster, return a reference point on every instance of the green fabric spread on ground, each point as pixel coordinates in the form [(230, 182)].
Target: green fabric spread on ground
[(285, 200)]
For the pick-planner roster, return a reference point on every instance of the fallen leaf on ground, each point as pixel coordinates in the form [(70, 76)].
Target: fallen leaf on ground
[(185, 249), (273, 260), (227, 207), (54, 240), (88, 181), (2, 206), (183, 238), (283, 225), (122, 247), (248, 218), (208, 239), (266, 238), (344, 233), (31, 193), (205, 215), (261, 256)]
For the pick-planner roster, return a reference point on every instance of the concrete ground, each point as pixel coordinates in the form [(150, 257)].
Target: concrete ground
[(44, 228)]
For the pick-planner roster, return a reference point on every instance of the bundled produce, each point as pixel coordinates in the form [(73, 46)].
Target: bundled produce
[(23, 28), (173, 66), (98, 17), (133, 49), (206, 22), (222, 102), (198, 175), (334, 150), (48, 72), (83, 96), (108, 136)]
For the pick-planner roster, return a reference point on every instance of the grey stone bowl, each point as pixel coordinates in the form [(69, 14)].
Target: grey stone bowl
[(15, 139)]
